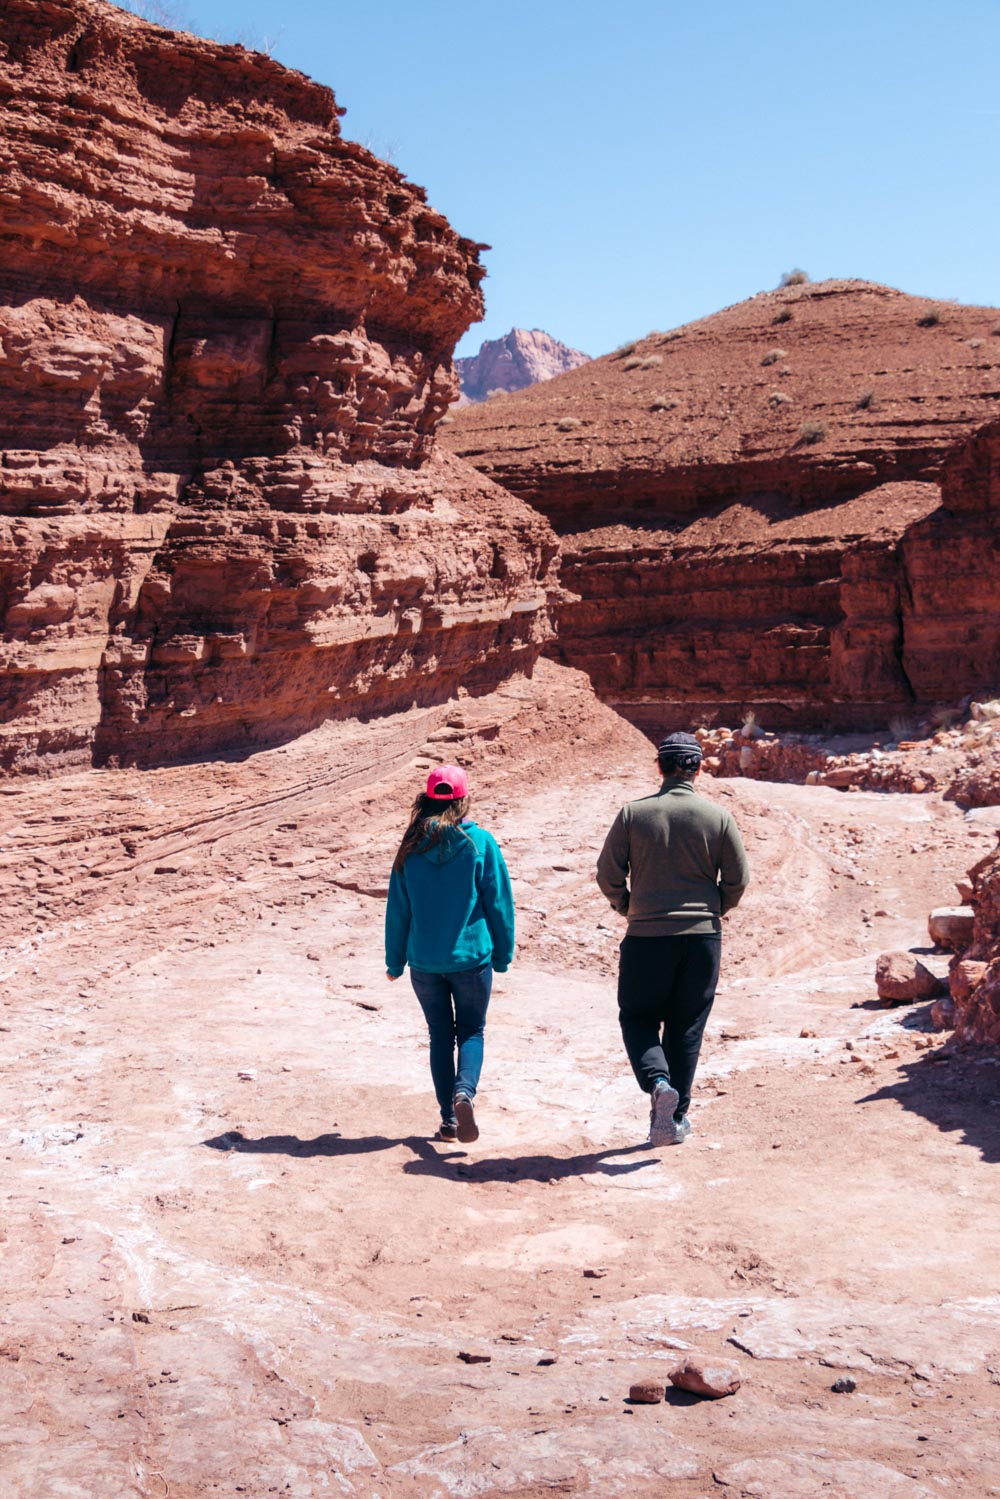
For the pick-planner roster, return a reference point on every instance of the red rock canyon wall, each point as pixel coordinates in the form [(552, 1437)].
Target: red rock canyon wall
[(225, 343), (750, 510)]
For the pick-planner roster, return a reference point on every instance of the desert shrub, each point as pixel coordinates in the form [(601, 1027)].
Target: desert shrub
[(568, 424), (778, 398), (975, 343), (446, 421), (668, 338), (651, 362), (812, 432), (773, 355), (633, 363), (929, 319), (864, 400), (795, 277), (495, 393), (623, 349), (160, 12), (784, 315), (662, 403)]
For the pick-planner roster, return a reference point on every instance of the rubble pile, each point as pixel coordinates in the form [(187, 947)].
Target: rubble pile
[(961, 759)]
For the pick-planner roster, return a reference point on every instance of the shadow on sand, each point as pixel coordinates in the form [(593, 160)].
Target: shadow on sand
[(957, 1091), (447, 1164)]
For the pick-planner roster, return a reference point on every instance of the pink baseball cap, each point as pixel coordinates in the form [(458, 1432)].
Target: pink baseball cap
[(447, 783)]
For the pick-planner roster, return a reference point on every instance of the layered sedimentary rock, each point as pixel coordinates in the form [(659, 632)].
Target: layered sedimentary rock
[(750, 508), (521, 358), (225, 343), (975, 972)]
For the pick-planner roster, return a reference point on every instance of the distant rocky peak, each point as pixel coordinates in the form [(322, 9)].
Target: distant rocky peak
[(522, 357)]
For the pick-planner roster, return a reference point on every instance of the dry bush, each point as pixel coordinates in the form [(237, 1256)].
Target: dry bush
[(796, 277), (812, 432), (783, 316), (864, 401), (622, 350), (662, 403), (495, 393), (651, 362), (975, 343), (773, 355), (778, 398), (929, 319), (446, 421), (668, 338), (568, 424), (633, 363)]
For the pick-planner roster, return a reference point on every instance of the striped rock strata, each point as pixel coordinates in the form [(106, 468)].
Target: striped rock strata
[(225, 343), (751, 514)]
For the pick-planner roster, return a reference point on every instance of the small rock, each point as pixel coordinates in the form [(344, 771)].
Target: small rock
[(596, 1274), (469, 1357), (943, 1014), (900, 977), (708, 1376), (246, 1074), (646, 1392), (547, 1361), (844, 1386), (313, 957), (951, 927), (804, 1032)]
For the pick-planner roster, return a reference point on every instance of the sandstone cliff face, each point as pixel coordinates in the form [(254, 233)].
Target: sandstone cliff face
[(729, 555), (975, 973), (225, 343), (519, 359)]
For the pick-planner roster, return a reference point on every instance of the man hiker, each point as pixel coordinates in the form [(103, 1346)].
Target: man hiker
[(673, 863)]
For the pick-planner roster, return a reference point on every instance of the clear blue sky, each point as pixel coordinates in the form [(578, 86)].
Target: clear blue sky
[(638, 164)]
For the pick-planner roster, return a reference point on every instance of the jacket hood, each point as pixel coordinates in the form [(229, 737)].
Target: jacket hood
[(453, 840)]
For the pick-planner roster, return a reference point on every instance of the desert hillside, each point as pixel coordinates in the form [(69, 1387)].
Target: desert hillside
[(751, 513)]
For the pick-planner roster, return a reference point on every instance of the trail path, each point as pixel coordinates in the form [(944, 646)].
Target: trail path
[(235, 1261)]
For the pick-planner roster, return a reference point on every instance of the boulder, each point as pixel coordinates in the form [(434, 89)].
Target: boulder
[(704, 1374), (901, 978), (951, 927), (964, 976)]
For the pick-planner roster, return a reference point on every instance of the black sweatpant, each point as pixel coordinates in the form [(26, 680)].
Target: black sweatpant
[(666, 986)]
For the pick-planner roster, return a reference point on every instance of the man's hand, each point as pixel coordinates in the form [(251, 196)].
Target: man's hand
[(392, 977)]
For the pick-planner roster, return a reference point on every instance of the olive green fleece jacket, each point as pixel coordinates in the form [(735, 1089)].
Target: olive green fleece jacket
[(673, 863)]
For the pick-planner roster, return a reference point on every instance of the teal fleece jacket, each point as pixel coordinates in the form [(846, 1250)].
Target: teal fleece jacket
[(451, 907)]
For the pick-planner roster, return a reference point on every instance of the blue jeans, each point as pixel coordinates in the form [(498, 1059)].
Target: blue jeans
[(454, 1006)]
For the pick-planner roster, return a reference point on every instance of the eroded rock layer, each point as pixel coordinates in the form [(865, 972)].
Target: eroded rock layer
[(225, 342), (750, 508)]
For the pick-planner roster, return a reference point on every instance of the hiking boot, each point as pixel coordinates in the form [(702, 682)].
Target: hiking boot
[(447, 1130), (662, 1130), (468, 1129)]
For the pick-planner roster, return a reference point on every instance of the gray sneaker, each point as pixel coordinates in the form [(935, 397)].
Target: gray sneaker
[(468, 1129), (682, 1128), (662, 1130)]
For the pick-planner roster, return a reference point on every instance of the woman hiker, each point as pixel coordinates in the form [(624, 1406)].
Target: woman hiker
[(450, 916)]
